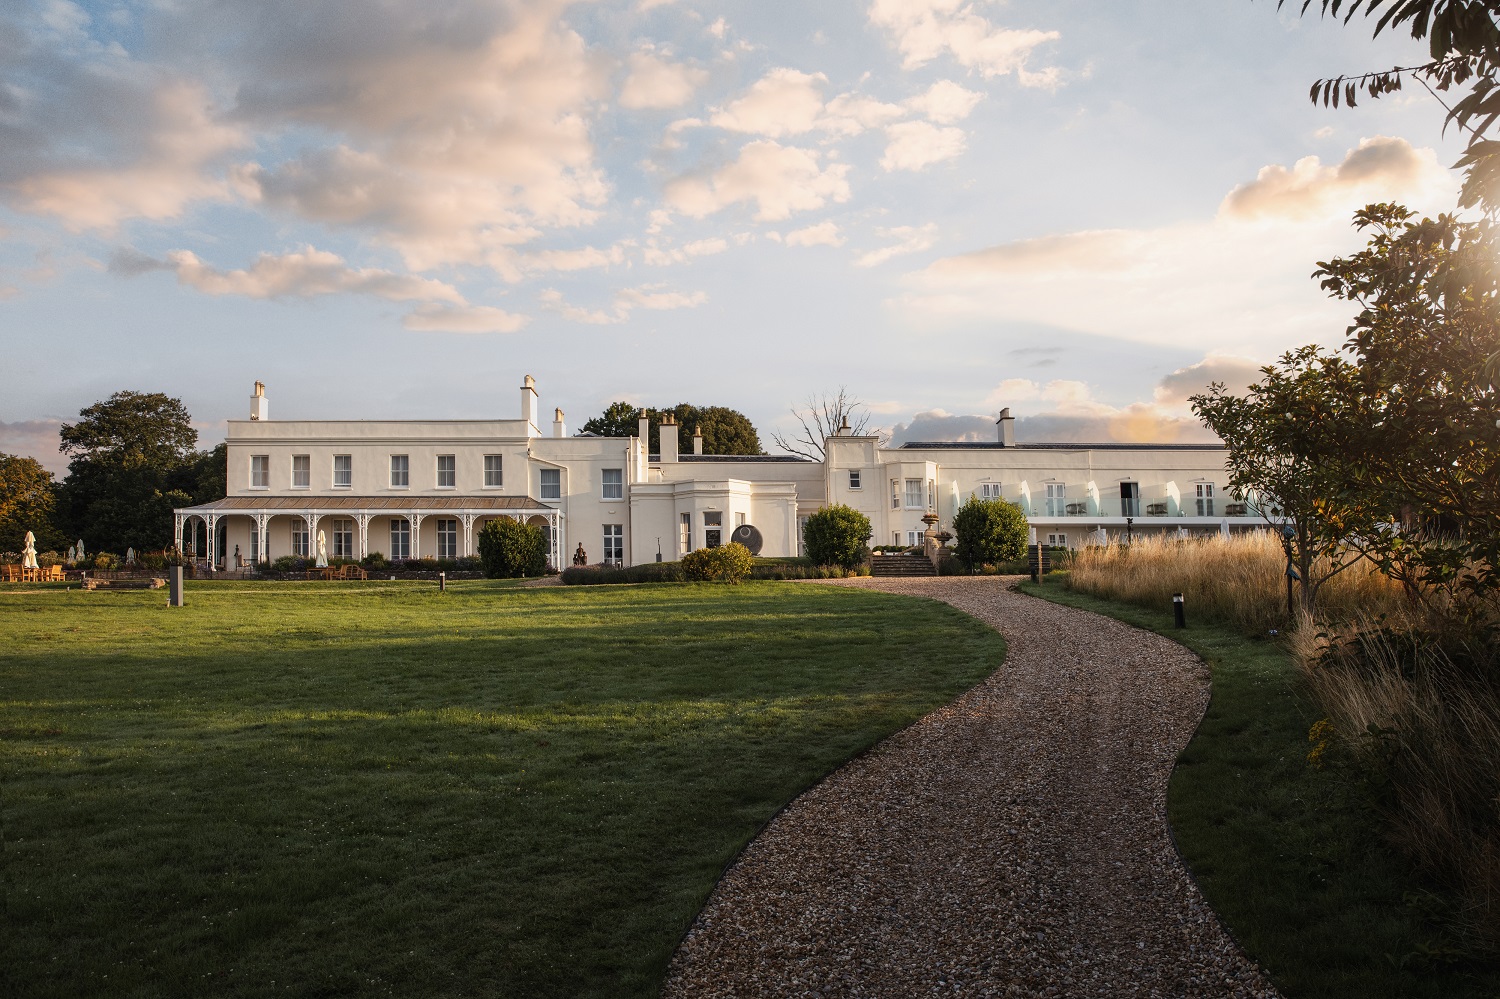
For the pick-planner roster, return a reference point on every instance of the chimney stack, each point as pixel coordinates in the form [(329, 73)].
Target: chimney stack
[(258, 408), (643, 424), (559, 428), (529, 402), (697, 440), (668, 430), (843, 430), (1007, 425)]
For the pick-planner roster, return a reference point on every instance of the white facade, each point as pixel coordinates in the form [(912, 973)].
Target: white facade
[(421, 488)]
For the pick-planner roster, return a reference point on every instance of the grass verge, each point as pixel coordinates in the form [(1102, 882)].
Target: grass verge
[(1290, 857), (378, 789)]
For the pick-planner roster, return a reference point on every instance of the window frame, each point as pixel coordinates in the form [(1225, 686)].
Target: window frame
[(348, 469), (400, 537), (405, 469), (449, 526), (542, 483), (605, 484), (452, 471), (614, 533), (908, 493), (301, 532), (856, 481), (498, 470), (1204, 494), (342, 529), (260, 468), (306, 470)]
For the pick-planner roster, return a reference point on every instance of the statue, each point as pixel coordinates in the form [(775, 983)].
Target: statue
[(238, 562), (580, 557), (322, 562), (28, 554)]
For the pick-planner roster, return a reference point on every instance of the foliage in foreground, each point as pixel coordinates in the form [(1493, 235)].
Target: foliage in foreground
[(509, 549), (989, 531), (725, 564), (386, 789), (836, 535), (1287, 853)]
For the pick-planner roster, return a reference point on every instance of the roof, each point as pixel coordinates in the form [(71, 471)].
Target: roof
[(297, 504), (1059, 446), (733, 457)]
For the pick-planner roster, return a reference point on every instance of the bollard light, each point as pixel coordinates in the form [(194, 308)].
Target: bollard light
[(443, 582), (1179, 616)]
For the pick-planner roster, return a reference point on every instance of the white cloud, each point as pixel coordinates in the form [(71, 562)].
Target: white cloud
[(718, 28), (1309, 188), (925, 29), (1236, 374), (463, 319), (653, 296), (655, 82), (582, 258), (945, 102), (851, 114), (914, 145), (822, 234), (304, 273), (909, 239), (780, 179), (783, 102), (657, 256)]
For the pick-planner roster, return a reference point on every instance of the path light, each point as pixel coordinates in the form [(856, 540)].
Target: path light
[(1179, 617)]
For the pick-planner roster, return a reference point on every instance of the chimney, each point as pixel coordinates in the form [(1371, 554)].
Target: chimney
[(698, 440), (258, 408), (843, 430), (1007, 425), (528, 401), (668, 430), (643, 423), (559, 428)]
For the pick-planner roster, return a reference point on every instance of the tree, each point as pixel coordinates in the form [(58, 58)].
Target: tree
[(821, 417), (725, 431), (509, 548), (28, 502), (130, 456), (1291, 443), (836, 535), (1464, 48), (989, 531), (207, 474)]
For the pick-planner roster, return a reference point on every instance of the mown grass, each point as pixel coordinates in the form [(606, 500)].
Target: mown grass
[(1292, 858), (377, 789)]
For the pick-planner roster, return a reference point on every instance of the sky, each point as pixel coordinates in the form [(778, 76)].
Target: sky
[(396, 209)]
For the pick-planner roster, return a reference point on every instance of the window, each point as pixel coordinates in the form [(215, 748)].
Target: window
[(1057, 540), (614, 542), (854, 478), (713, 518), (447, 537), (1130, 499), (896, 497), (299, 537), (254, 555), (739, 520), (301, 471), (343, 471), (400, 537), (801, 535), (1205, 499), (614, 484), (913, 539), (895, 537), (932, 494), (447, 471), (685, 534), (713, 529), (343, 539), (914, 494), (1057, 499), (400, 471), (493, 479), (989, 490), (551, 483), (260, 471)]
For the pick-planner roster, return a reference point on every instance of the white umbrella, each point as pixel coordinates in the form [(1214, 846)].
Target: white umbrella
[(28, 554), (1224, 528), (80, 549), (130, 556), (322, 562), (72, 554)]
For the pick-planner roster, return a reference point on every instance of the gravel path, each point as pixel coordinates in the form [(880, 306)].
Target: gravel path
[(1012, 843)]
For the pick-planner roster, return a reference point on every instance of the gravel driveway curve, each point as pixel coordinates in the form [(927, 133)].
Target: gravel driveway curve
[(1012, 843)]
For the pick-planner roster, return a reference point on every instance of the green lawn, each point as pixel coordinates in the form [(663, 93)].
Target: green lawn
[(1290, 857), (378, 789)]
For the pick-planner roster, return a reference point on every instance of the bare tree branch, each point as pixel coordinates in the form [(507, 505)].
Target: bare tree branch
[(821, 417)]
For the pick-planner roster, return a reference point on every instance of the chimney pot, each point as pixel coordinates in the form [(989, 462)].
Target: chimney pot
[(258, 407), (559, 428), (697, 440), (1007, 425)]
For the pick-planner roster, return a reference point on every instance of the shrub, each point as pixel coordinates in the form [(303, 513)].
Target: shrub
[(509, 548), (289, 563), (651, 572), (726, 564), (106, 561), (470, 563), (374, 560), (989, 531), (836, 535)]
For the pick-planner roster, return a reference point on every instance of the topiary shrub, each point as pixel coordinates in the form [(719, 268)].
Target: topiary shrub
[(836, 535), (989, 531), (509, 549), (726, 564)]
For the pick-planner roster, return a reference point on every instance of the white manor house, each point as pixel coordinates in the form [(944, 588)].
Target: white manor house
[(425, 488)]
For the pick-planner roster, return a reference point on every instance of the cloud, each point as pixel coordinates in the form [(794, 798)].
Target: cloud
[(655, 83), (783, 102), (822, 234), (656, 256), (922, 30), (1236, 282), (35, 439), (1308, 189), (1235, 373), (945, 102), (653, 296), (463, 319), (914, 145), (780, 179), (582, 258), (910, 239), (304, 273)]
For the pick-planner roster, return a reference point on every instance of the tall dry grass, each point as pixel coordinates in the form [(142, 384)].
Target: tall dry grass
[(1239, 581)]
